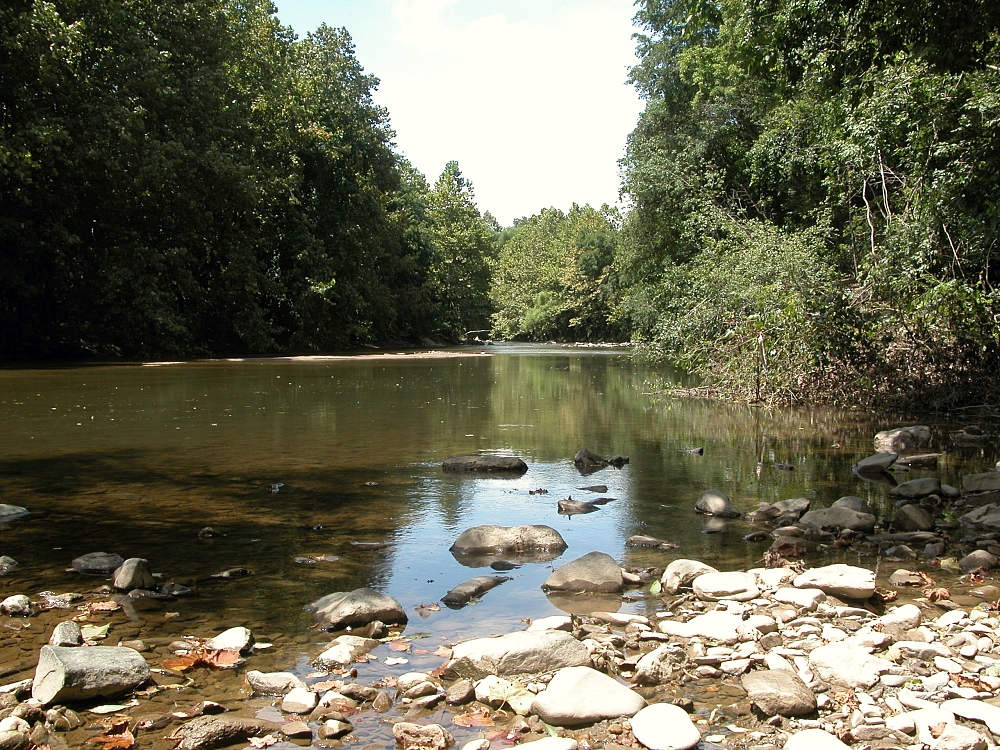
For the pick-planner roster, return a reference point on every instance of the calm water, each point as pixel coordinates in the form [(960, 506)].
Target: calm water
[(136, 459)]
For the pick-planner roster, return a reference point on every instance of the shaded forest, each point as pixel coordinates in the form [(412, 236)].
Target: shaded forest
[(811, 199)]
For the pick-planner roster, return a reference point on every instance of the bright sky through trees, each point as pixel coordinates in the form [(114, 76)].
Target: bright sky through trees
[(529, 96)]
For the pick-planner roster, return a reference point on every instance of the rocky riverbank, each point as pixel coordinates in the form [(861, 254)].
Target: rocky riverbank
[(780, 655)]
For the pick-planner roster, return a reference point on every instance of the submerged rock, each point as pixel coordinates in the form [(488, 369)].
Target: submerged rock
[(587, 462), (70, 674), (486, 464), (97, 563), (474, 587), (479, 546), (874, 464), (352, 608), (214, 731)]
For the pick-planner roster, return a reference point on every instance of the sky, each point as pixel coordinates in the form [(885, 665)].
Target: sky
[(528, 96)]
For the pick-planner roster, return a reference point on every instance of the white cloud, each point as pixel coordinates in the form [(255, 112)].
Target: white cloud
[(535, 113)]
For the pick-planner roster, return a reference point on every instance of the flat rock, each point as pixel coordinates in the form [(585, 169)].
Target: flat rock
[(854, 503), (987, 482), (779, 692), (878, 462), (957, 737), (716, 503), (845, 664), (840, 580), (359, 607), (917, 488), (518, 653), (272, 683), (664, 726), (97, 563), (485, 464), (474, 587), (10, 512), (719, 627), (814, 739), (984, 515), (803, 598), (903, 439), (734, 585), (582, 695), (906, 616), (837, 517), (920, 460), (595, 572), (214, 731), (299, 701), (975, 710), (682, 572)]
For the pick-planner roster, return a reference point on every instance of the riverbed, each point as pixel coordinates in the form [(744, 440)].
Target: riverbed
[(323, 474)]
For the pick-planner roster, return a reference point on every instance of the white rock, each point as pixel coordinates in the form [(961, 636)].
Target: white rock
[(555, 622), (845, 581), (410, 680), (551, 743), (720, 627), (299, 701), (951, 617), (975, 710), (911, 700), (773, 578), (523, 652), (484, 744), (803, 598), (345, 649), (681, 572), (957, 737), (845, 664), (925, 718), (17, 605), (235, 639), (814, 739), (581, 695), (15, 724), (733, 585), (906, 616), (273, 683), (901, 723), (664, 726)]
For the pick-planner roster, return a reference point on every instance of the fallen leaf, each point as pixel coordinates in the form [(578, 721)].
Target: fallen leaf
[(266, 741), (421, 651), (95, 632), (322, 687), (107, 606), (171, 615), (181, 663), (221, 659), (121, 741), (655, 587), (401, 646), (937, 729), (473, 719), (443, 651), (938, 594)]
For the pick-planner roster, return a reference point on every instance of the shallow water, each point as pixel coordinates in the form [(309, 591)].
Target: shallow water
[(136, 459)]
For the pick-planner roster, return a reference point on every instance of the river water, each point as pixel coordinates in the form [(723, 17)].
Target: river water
[(300, 457)]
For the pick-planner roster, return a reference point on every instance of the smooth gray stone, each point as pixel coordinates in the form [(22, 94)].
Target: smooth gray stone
[(359, 607), (716, 503), (134, 573), (10, 512), (524, 652), (68, 674), (474, 587), (838, 518), (856, 504), (97, 563), (595, 572), (582, 695), (66, 633), (510, 540), (214, 731), (779, 692), (913, 518), (986, 482), (879, 462), (917, 488)]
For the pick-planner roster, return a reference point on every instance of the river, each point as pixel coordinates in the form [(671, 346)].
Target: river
[(297, 457)]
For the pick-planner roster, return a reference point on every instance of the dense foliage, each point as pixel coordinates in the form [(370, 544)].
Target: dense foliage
[(551, 276), (187, 178), (814, 197)]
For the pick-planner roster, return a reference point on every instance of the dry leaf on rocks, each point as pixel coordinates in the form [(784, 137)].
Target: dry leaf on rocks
[(266, 741), (443, 651), (473, 719)]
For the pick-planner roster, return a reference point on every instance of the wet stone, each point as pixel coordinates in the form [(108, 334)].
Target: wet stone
[(97, 563)]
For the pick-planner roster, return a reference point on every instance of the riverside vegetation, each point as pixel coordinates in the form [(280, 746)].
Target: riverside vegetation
[(812, 203)]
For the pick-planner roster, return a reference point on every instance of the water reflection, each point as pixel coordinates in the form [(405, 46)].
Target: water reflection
[(136, 460)]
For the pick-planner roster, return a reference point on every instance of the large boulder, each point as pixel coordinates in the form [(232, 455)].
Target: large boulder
[(354, 608), (902, 439), (485, 464), (69, 673), (681, 573), (595, 572), (97, 563), (837, 517), (482, 545), (716, 503), (582, 695), (779, 692), (844, 581), (526, 652)]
